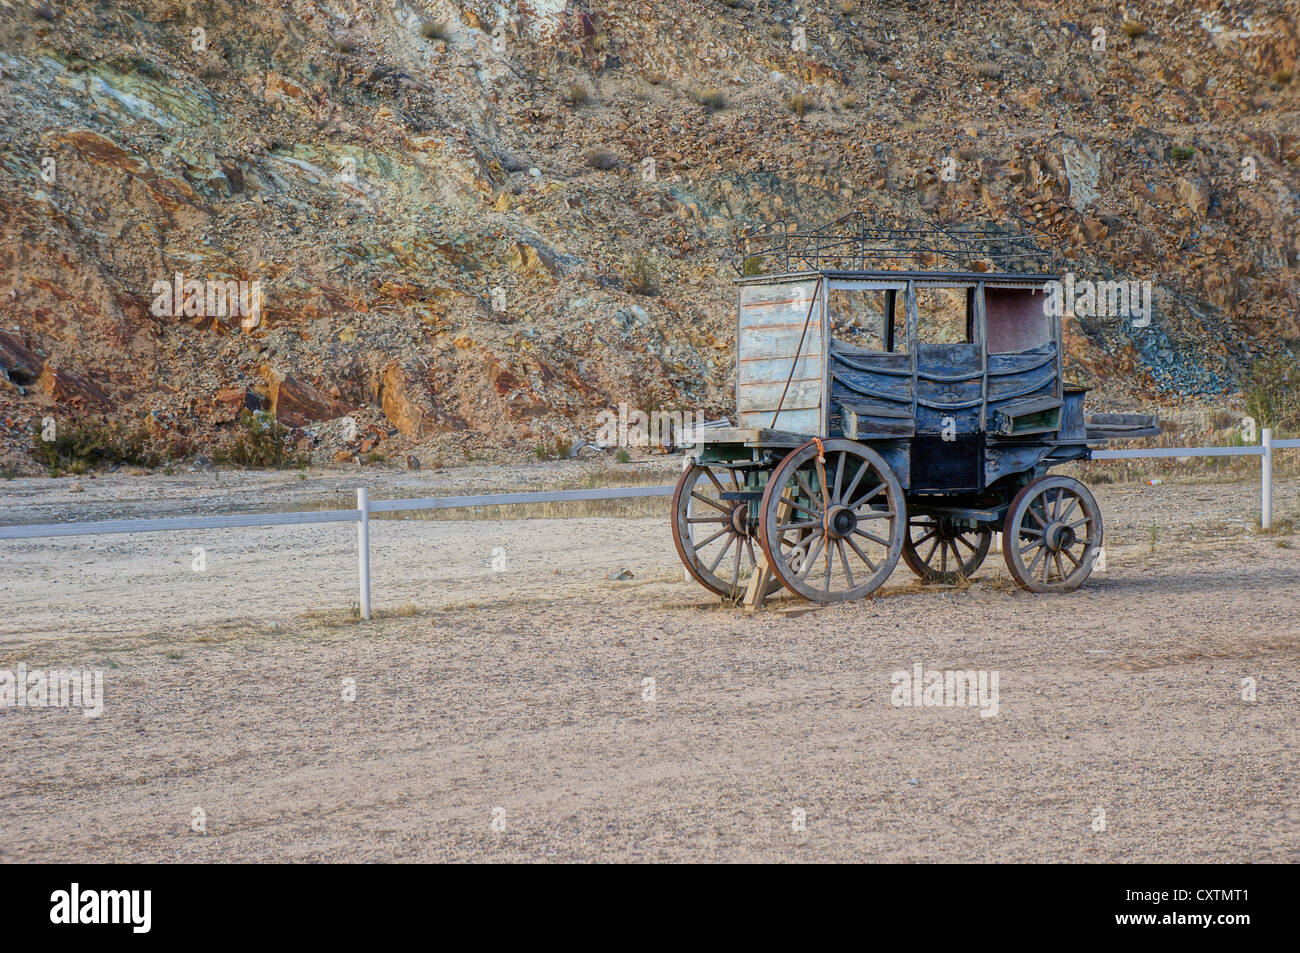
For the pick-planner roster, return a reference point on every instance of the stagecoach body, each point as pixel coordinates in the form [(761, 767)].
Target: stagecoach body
[(899, 393)]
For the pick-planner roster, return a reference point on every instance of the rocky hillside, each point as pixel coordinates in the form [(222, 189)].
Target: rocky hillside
[(462, 246)]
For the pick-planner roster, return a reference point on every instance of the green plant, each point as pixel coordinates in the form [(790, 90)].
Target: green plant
[(1132, 29), (261, 442), (1282, 76), (1272, 391), (1182, 153), (76, 446), (622, 456), (558, 449), (577, 94), (8, 471), (642, 275), (753, 265)]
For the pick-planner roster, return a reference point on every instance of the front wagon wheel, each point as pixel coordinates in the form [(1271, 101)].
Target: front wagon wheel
[(832, 528), (1052, 534)]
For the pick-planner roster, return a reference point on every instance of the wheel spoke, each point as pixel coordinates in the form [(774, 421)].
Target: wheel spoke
[(709, 473), (1065, 513), (839, 477), (861, 555), (811, 556), (724, 530), (721, 555), (863, 467), (713, 503), (873, 537), (870, 495), (844, 560), (799, 506), (918, 542), (783, 527), (806, 488)]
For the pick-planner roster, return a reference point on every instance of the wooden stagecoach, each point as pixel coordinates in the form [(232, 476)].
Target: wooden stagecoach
[(899, 392)]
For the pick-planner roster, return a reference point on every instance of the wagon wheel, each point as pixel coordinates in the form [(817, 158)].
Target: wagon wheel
[(832, 529), (714, 537), (1052, 534), (940, 551)]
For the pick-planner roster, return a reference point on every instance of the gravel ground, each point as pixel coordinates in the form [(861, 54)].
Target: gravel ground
[(519, 697)]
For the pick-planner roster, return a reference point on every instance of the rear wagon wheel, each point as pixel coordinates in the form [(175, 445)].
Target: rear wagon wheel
[(940, 552), (714, 536)]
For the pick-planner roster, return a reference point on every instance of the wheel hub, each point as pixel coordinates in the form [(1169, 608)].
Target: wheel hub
[(1059, 536), (740, 519), (840, 522)]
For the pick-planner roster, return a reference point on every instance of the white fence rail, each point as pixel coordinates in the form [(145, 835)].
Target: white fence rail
[(361, 515)]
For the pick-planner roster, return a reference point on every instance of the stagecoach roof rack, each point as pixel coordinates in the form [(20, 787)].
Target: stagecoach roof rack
[(854, 244)]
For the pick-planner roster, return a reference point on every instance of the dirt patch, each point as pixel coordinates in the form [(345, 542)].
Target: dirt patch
[(520, 696)]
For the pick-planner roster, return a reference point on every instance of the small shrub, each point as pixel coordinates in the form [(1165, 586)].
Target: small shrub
[(434, 30), (1272, 391), (577, 95), (642, 275), (990, 70), (1182, 153), (262, 442), (602, 160), (558, 449), (800, 104), (849, 102), (753, 265), (1282, 76), (8, 471), (711, 98), (80, 445), (622, 456), (1132, 29)]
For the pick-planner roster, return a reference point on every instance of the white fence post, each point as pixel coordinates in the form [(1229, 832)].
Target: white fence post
[(363, 549), (1266, 479)]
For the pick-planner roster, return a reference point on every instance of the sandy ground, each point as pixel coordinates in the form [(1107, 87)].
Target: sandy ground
[(518, 695)]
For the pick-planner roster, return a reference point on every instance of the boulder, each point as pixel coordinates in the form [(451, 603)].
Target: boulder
[(64, 388), (403, 401), (17, 361), (296, 403)]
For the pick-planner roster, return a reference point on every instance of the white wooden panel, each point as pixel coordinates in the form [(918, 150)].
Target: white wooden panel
[(770, 326)]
